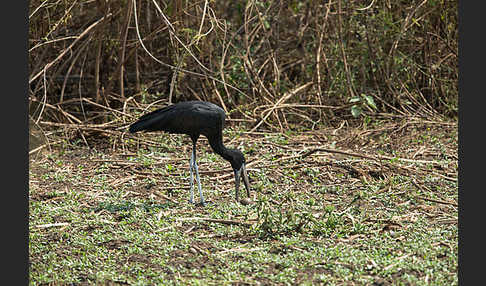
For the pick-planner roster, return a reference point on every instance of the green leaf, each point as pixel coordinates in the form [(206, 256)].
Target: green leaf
[(266, 24), (355, 99), (370, 101), (355, 110), (169, 167)]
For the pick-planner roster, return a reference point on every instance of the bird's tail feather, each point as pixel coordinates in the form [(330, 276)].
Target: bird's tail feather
[(138, 126), (148, 121)]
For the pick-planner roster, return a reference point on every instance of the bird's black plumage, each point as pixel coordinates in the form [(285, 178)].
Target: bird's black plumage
[(195, 118)]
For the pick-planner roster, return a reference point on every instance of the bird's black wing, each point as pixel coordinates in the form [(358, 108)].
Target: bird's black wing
[(201, 117), (190, 117), (149, 121)]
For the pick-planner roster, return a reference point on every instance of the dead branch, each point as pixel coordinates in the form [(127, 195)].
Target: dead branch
[(64, 52), (223, 221)]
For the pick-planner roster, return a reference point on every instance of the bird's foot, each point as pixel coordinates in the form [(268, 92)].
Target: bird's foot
[(202, 203)]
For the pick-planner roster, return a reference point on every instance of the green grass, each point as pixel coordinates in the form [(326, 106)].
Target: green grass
[(313, 221)]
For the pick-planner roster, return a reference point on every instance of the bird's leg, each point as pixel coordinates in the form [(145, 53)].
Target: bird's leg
[(197, 175), (237, 183), (191, 163)]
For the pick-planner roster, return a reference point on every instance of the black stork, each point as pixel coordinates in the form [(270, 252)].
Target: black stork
[(195, 118)]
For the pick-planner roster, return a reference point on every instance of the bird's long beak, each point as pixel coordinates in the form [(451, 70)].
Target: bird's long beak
[(238, 174)]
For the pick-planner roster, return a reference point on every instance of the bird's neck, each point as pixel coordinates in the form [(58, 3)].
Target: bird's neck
[(220, 149)]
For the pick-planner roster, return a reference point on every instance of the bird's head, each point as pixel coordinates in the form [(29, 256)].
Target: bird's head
[(237, 161)]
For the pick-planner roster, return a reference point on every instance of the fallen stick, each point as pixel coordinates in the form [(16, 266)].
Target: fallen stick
[(223, 221), (241, 250), (312, 151), (166, 197), (42, 146), (377, 158), (47, 225), (429, 199), (437, 201)]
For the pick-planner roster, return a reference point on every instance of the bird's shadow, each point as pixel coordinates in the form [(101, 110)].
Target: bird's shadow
[(127, 206), (205, 204)]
